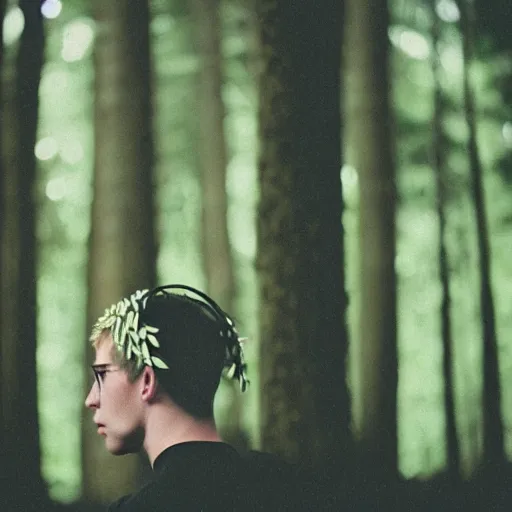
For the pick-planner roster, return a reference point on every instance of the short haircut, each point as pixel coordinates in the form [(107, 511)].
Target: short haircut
[(196, 341)]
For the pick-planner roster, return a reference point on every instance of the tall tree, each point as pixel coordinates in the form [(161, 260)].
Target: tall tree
[(369, 144), (2, 14), (304, 398), (439, 147), (19, 417), (216, 246), (494, 453), (122, 241)]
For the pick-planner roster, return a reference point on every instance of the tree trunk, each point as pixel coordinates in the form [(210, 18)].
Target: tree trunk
[(304, 398), (494, 454), (439, 147), (122, 241), (369, 137), (18, 270), (216, 246), (3, 461)]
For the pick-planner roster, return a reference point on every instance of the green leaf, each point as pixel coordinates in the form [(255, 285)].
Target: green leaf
[(152, 339), (145, 351), (159, 363), (129, 318), (135, 337)]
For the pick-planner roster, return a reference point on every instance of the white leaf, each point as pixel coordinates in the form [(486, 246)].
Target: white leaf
[(159, 363), (145, 352), (152, 339), (231, 372), (129, 318)]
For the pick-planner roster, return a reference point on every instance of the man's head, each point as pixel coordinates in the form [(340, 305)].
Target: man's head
[(166, 342)]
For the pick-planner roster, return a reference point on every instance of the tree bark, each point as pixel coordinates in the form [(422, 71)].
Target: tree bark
[(439, 147), (494, 454), (369, 136), (122, 240), (18, 270), (304, 398)]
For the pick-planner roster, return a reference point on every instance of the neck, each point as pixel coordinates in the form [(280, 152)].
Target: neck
[(168, 424)]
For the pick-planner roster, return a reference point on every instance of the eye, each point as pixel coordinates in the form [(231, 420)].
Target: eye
[(99, 374)]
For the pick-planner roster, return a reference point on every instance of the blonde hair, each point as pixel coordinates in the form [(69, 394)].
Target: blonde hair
[(130, 366)]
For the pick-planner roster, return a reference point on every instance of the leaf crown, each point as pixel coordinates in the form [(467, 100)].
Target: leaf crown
[(138, 341)]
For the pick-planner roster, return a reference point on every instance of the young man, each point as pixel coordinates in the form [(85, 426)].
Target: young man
[(159, 358)]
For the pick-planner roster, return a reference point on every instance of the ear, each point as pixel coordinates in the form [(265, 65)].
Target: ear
[(149, 384)]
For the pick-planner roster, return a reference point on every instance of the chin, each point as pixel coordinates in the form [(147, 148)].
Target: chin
[(131, 443), (120, 450)]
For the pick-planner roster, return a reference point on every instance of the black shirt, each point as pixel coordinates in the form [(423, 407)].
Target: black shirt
[(213, 476)]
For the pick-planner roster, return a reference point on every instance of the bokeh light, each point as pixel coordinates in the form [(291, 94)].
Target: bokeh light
[(506, 131), (448, 11), (46, 148), (14, 22), (51, 8), (410, 42), (56, 189), (77, 40)]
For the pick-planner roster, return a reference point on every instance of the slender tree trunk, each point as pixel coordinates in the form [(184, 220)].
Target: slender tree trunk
[(439, 153), (494, 454), (216, 246), (3, 461), (369, 137), (122, 242), (304, 398), (18, 271)]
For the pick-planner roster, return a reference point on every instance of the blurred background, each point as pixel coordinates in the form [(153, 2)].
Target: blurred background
[(337, 176)]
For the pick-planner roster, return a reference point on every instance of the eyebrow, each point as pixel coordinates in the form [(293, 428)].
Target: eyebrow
[(100, 365)]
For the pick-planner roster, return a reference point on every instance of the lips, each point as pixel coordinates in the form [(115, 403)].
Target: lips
[(100, 427)]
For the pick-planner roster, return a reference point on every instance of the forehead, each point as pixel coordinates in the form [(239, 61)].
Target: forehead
[(104, 350)]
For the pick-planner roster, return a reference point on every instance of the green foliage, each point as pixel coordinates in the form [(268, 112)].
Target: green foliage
[(65, 152), (422, 441)]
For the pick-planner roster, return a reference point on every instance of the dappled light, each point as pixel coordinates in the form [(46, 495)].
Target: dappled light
[(75, 166), (13, 24), (51, 8), (77, 40)]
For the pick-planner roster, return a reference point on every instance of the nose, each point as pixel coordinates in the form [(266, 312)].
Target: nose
[(92, 401)]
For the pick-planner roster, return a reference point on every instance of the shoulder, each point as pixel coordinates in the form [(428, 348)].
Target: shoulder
[(150, 497)]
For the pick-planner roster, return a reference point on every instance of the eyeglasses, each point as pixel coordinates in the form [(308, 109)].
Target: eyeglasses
[(99, 371)]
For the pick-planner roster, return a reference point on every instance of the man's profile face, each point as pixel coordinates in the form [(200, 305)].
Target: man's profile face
[(116, 403)]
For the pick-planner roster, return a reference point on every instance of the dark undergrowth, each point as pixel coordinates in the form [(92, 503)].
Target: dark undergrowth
[(489, 491)]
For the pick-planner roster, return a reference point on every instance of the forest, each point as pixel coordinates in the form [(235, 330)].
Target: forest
[(337, 175)]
